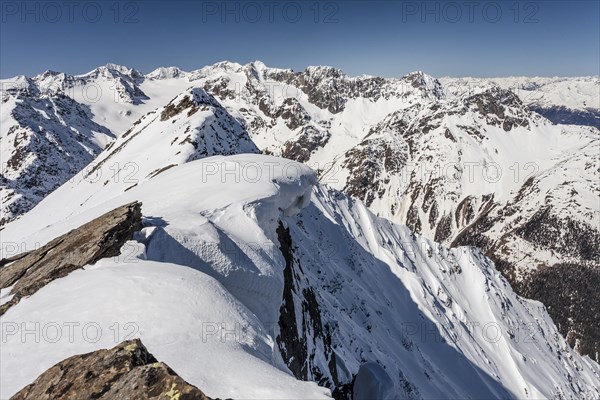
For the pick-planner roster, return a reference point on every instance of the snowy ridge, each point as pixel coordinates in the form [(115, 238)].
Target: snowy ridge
[(562, 100), (191, 126), (44, 140), (213, 256), (325, 289)]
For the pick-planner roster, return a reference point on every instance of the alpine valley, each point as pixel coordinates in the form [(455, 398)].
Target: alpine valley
[(241, 231)]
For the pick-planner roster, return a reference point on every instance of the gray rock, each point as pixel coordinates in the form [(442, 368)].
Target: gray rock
[(125, 372), (100, 238)]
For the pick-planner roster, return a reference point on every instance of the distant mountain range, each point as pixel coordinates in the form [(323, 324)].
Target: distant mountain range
[(328, 268)]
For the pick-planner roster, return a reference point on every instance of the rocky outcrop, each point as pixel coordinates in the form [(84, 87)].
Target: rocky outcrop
[(128, 371), (330, 88), (304, 338), (100, 238), (305, 144), (500, 107), (46, 139)]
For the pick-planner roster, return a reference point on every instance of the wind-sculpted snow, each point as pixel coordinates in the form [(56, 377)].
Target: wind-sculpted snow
[(463, 165), (205, 282), (192, 126), (202, 215)]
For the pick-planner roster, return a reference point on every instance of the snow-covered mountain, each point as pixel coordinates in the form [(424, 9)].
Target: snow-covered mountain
[(117, 95), (562, 100), (250, 279), (475, 167), (459, 162), (45, 138)]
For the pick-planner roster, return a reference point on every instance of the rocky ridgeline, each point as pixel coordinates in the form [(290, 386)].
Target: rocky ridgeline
[(544, 223), (49, 138), (100, 238), (125, 372)]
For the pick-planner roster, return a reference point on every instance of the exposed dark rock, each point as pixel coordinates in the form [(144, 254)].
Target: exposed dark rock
[(297, 343), (309, 140), (125, 372), (495, 103), (330, 88), (368, 163), (173, 109), (293, 113), (443, 229), (412, 219), (322, 85), (567, 236), (54, 140), (570, 294), (220, 88), (97, 239), (473, 235), (293, 348)]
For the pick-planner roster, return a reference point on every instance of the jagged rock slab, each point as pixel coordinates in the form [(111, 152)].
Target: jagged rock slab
[(100, 238), (126, 372)]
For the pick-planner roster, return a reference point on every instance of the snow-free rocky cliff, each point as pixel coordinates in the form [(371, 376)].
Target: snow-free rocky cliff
[(250, 279)]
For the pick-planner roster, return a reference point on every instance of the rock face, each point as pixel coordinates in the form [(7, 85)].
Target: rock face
[(127, 371), (100, 238), (570, 293), (45, 139), (299, 321)]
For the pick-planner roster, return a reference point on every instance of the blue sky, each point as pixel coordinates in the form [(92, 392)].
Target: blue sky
[(387, 38)]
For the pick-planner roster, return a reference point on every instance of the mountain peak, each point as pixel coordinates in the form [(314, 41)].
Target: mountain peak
[(324, 71), (117, 67), (166, 73), (112, 71)]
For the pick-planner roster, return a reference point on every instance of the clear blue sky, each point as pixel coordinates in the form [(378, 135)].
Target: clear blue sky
[(387, 38)]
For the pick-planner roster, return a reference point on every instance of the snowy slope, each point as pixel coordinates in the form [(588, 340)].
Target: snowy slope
[(420, 153), (50, 137), (242, 254), (562, 100), (462, 162), (186, 309), (45, 138)]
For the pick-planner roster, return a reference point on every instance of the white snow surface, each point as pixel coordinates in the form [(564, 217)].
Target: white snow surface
[(571, 92), (203, 284), (441, 323)]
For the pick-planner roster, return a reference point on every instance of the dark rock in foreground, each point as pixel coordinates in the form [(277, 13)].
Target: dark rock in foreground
[(125, 372), (100, 238)]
